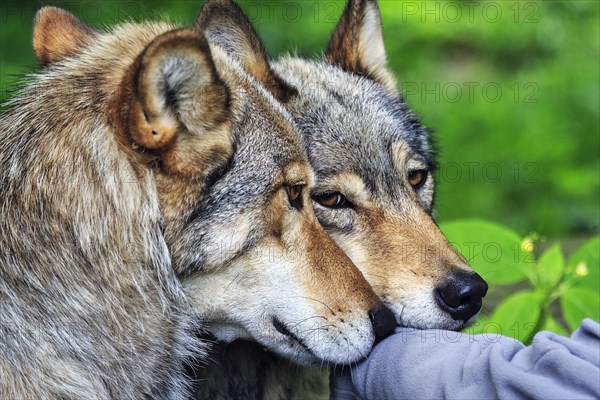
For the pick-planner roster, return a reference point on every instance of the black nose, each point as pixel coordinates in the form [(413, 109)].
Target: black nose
[(461, 295), (383, 321)]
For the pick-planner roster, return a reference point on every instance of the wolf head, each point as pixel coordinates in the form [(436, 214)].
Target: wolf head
[(233, 182), (373, 164)]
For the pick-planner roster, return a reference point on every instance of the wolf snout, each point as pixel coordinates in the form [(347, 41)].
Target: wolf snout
[(383, 321), (461, 295)]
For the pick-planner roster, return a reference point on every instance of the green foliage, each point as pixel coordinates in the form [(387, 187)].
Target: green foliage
[(578, 303), (551, 265), (518, 314), (541, 286), (584, 260), (492, 250)]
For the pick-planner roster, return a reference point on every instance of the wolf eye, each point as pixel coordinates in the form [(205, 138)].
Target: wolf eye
[(294, 193), (417, 178), (332, 200)]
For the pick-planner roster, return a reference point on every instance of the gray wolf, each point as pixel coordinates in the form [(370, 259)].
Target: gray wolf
[(137, 157), (374, 188)]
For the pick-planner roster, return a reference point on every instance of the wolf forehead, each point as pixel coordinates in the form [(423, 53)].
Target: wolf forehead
[(271, 156), (351, 116), (264, 161)]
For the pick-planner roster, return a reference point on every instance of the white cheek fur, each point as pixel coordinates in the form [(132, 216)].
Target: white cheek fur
[(425, 193)]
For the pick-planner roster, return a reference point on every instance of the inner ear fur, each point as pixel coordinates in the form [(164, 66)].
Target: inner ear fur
[(225, 24), (58, 34), (173, 96), (357, 46)]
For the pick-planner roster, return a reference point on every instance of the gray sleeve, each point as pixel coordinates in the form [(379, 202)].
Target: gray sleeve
[(436, 364)]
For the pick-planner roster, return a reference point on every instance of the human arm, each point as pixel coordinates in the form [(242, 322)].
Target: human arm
[(435, 364)]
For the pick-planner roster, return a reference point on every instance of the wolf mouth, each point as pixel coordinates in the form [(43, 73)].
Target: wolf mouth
[(281, 328)]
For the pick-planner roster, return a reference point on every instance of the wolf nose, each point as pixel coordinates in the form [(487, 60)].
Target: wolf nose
[(461, 295), (383, 321)]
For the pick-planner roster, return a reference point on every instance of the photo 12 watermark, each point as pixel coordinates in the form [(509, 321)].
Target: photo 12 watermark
[(471, 92), (469, 11)]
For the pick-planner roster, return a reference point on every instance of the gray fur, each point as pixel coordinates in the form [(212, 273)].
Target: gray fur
[(90, 306)]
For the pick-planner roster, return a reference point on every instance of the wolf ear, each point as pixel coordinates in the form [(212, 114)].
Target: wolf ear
[(173, 97), (225, 24), (357, 43), (58, 34)]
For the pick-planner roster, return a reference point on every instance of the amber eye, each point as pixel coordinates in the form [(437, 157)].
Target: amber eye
[(332, 200), (417, 178), (294, 193)]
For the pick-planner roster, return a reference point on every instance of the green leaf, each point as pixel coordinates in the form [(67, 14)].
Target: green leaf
[(518, 315), (578, 303), (552, 325), (494, 252), (585, 265), (478, 327), (551, 266)]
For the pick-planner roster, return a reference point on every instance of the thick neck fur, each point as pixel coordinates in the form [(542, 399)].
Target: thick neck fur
[(89, 303), (246, 370)]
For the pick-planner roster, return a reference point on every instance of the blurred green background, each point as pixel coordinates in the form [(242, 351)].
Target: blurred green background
[(510, 88)]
